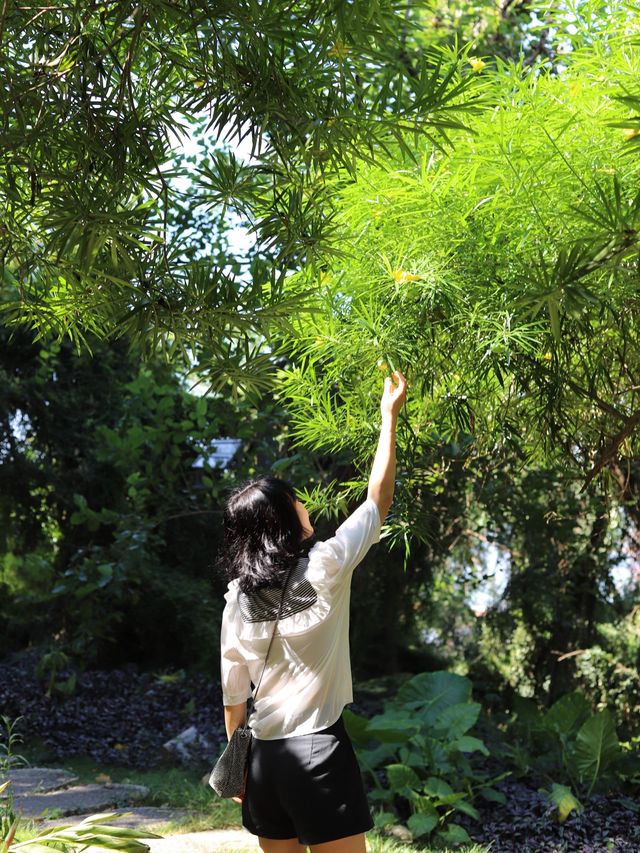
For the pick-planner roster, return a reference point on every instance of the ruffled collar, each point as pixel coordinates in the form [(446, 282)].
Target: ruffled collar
[(290, 625), (263, 605)]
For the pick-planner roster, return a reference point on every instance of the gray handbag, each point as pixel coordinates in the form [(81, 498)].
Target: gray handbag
[(229, 772)]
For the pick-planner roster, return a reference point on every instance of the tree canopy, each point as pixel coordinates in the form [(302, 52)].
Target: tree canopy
[(97, 96), (501, 274), (446, 188)]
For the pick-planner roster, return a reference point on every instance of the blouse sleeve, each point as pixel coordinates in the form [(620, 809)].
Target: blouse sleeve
[(234, 673), (348, 547)]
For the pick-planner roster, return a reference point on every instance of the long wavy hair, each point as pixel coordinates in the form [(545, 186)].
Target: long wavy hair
[(263, 534)]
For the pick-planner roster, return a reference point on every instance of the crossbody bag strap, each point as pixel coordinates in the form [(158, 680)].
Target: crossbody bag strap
[(273, 633)]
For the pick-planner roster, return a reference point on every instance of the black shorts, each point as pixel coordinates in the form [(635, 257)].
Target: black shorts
[(307, 787)]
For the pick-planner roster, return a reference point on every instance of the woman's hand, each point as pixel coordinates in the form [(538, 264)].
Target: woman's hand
[(394, 394), (234, 716)]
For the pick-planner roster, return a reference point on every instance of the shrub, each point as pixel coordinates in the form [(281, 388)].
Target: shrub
[(570, 744), (418, 754)]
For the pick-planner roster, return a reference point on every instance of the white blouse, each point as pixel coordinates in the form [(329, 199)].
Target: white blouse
[(307, 681)]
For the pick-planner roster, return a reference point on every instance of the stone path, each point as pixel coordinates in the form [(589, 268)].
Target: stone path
[(39, 791), (80, 799), (40, 779), (205, 842)]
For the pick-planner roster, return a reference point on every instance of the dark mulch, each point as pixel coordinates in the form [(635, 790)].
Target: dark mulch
[(119, 717), (526, 824)]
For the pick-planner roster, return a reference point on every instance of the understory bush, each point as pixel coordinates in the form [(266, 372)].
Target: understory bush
[(427, 763), (418, 753), (608, 673), (575, 751)]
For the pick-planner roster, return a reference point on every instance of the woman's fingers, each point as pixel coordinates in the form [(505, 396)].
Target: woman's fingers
[(401, 382), (393, 397)]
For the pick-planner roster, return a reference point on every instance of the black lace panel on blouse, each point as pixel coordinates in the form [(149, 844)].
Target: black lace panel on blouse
[(262, 605)]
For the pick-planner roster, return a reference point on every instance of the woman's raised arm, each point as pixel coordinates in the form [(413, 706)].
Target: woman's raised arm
[(383, 470)]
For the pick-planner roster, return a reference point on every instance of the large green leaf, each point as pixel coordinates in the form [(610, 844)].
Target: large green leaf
[(450, 799), (564, 800), (93, 831), (454, 834), (384, 819), (378, 755), (431, 692), (463, 805), (565, 715), (437, 757), (437, 787), (393, 726), (357, 727), (492, 795), (596, 749), (423, 823), (456, 720), (401, 777), (466, 743), (381, 795)]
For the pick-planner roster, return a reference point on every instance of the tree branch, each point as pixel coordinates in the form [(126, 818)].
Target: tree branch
[(600, 403), (609, 452)]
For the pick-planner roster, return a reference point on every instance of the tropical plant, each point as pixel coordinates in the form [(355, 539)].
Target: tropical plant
[(417, 754), (92, 831), (100, 499), (570, 745), (10, 738)]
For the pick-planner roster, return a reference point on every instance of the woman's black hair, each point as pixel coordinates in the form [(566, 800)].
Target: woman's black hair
[(263, 533)]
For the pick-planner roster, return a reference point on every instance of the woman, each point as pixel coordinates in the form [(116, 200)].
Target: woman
[(304, 787)]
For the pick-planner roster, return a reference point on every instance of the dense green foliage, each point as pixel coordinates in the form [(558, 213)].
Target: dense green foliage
[(448, 189), (501, 276), (570, 743), (110, 537), (98, 94), (103, 510), (561, 547), (422, 743), (428, 765)]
